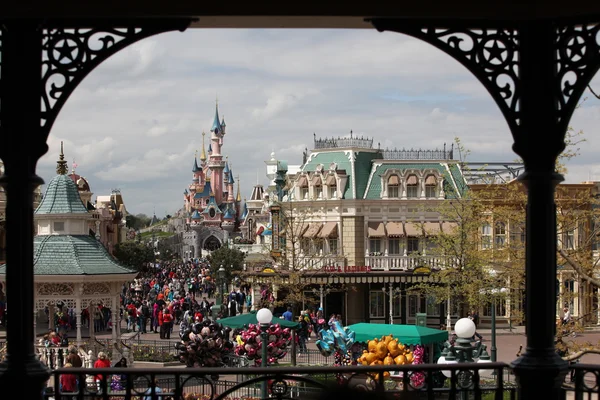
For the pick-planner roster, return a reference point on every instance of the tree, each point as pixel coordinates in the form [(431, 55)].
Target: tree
[(300, 254), (134, 254), (138, 221), (231, 259)]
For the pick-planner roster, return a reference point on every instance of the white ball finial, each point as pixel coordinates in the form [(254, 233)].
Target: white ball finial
[(272, 155), (464, 328), (264, 316)]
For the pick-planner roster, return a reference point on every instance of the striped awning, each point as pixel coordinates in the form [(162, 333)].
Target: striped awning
[(430, 180), (431, 228), (312, 230), (331, 180), (316, 180), (394, 229), (302, 181), (449, 227), (393, 180), (376, 229), (412, 180), (412, 228), (328, 230)]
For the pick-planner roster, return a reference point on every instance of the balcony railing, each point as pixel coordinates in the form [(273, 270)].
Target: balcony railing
[(403, 263), (318, 262)]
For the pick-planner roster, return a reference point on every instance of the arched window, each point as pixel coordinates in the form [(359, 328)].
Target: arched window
[(430, 187), (412, 187), (393, 185)]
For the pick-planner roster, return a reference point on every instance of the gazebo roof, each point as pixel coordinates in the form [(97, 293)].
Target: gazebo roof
[(73, 255)]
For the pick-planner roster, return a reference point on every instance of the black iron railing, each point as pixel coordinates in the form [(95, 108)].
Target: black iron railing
[(426, 381)]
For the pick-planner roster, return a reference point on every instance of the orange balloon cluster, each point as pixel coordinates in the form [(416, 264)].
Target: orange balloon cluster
[(386, 351)]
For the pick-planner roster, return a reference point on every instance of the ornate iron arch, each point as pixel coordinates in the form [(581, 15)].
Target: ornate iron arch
[(71, 50), (491, 53)]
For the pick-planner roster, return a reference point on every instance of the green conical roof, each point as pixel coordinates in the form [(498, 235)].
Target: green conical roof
[(61, 197)]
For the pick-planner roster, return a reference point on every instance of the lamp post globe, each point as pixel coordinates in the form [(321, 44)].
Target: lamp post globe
[(264, 316), (464, 328)]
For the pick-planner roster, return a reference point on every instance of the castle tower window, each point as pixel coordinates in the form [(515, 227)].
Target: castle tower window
[(430, 187), (412, 187), (393, 185)]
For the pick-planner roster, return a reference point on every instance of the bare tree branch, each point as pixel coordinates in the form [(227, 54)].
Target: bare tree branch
[(575, 265)]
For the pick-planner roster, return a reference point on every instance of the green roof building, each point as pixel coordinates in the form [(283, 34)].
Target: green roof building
[(72, 269)]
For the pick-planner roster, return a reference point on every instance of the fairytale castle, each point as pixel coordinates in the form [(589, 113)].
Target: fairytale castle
[(212, 211)]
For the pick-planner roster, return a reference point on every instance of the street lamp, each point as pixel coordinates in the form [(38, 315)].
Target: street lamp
[(391, 293), (264, 317), (219, 300), (463, 352)]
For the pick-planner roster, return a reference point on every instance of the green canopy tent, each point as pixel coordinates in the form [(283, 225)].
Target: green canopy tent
[(250, 318), (406, 334)]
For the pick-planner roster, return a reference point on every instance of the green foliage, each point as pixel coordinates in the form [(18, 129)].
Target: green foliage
[(133, 254), (231, 259), (138, 221)]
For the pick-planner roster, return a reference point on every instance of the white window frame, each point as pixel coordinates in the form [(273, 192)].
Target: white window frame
[(392, 248), (412, 191), (499, 235), (486, 236), (377, 297), (430, 191), (374, 242), (332, 244)]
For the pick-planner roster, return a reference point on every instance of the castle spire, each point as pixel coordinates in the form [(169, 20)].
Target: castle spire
[(195, 168), (216, 126), (203, 154), (239, 196), (61, 164)]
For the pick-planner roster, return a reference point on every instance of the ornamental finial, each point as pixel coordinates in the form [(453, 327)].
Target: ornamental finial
[(61, 165)]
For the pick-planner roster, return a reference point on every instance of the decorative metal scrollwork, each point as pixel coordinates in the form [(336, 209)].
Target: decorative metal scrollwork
[(578, 58), (70, 53), (55, 289), (490, 54)]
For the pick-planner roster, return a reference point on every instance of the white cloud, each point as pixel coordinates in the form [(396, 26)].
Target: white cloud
[(136, 121)]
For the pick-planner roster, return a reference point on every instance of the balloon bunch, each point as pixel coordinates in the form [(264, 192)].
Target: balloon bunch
[(386, 351), (249, 343), (204, 344), (417, 379), (336, 339)]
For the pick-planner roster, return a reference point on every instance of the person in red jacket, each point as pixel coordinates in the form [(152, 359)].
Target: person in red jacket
[(161, 331), (68, 382), (167, 324), (102, 362)]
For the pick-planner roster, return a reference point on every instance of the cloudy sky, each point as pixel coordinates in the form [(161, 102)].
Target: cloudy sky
[(136, 121)]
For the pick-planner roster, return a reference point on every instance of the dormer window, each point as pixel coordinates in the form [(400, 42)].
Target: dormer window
[(393, 185), (317, 187), (412, 187), (59, 226), (303, 186), (430, 187), (331, 187)]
